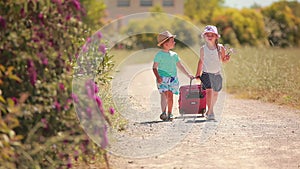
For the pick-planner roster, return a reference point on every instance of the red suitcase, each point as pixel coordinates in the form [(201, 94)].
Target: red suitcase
[(192, 99)]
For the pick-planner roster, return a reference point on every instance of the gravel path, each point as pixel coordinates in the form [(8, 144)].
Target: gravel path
[(246, 134), (251, 134)]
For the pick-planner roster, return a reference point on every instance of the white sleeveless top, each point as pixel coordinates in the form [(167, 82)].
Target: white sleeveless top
[(212, 62)]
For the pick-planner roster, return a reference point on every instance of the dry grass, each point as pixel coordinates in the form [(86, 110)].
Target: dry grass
[(271, 75), (267, 74)]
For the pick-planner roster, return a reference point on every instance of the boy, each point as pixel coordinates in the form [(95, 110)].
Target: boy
[(165, 70)]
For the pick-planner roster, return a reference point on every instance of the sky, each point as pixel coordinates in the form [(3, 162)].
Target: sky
[(248, 3)]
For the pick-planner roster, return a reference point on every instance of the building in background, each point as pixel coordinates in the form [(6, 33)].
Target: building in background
[(119, 8), (120, 12)]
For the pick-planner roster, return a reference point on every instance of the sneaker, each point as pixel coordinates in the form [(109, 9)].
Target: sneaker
[(170, 117), (163, 116), (210, 117)]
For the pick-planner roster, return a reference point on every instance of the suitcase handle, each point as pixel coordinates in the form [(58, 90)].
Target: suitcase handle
[(201, 95), (193, 79)]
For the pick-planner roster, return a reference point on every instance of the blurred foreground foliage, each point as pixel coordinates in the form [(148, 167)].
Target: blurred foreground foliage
[(40, 42)]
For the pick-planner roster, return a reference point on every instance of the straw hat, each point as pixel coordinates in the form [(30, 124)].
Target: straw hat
[(163, 37), (210, 29)]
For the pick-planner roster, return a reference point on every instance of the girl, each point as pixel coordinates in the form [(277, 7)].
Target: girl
[(212, 54)]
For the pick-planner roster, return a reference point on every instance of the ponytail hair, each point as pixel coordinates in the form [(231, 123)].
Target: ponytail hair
[(218, 47)]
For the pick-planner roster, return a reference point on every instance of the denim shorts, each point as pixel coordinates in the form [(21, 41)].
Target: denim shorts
[(168, 84), (212, 81)]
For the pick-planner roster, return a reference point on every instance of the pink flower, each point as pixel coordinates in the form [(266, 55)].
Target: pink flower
[(40, 16), (68, 17), (76, 4), (22, 12), (61, 86), (99, 103), (45, 122), (84, 48), (75, 98), (2, 22), (45, 61), (102, 48), (99, 34), (88, 40), (76, 154), (96, 88), (76, 56), (111, 110), (31, 72), (57, 105), (15, 100), (69, 165)]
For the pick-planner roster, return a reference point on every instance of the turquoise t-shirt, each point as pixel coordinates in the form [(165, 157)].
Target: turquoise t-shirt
[(167, 63)]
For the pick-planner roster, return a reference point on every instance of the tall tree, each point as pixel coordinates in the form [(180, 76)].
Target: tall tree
[(283, 23), (201, 11)]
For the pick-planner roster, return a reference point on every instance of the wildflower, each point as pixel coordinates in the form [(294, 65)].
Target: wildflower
[(2, 22), (84, 48), (32, 72), (15, 100), (88, 40), (76, 155), (57, 105), (111, 110), (45, 122), (75, 98), (96, 88), (69, 165), (102, 48), (99, 35), (76, 56), (76, 4), (99, 103), (22, 13), (68, 17), (61, 86)]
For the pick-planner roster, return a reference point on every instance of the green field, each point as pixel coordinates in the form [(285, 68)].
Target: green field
[(267, 74)]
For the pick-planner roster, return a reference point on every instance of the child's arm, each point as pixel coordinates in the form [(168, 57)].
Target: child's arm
[(224, 57), (183, 69), (155, 71), (200, 63)]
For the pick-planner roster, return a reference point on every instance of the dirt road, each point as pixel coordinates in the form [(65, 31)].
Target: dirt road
[(246, 134), (251, 134)]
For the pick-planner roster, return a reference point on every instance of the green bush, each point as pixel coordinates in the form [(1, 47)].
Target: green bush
[(39, 43)]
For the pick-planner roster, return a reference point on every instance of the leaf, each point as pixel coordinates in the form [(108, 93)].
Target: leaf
[(2, 99), (9, 70), (2, 68), (10, 102), (14, 77)]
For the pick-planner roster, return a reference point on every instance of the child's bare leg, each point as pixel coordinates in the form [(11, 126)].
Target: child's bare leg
[(214, 100), (163, 101), (209, 95), (170, 101)]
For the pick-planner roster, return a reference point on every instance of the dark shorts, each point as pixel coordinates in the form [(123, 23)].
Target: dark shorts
[(211, 81)]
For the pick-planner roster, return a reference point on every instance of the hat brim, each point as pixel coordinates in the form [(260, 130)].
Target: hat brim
[(202, 35), (163, 41)]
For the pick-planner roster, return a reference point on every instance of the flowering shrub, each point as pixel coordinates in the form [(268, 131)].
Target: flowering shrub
[(38, 124)]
